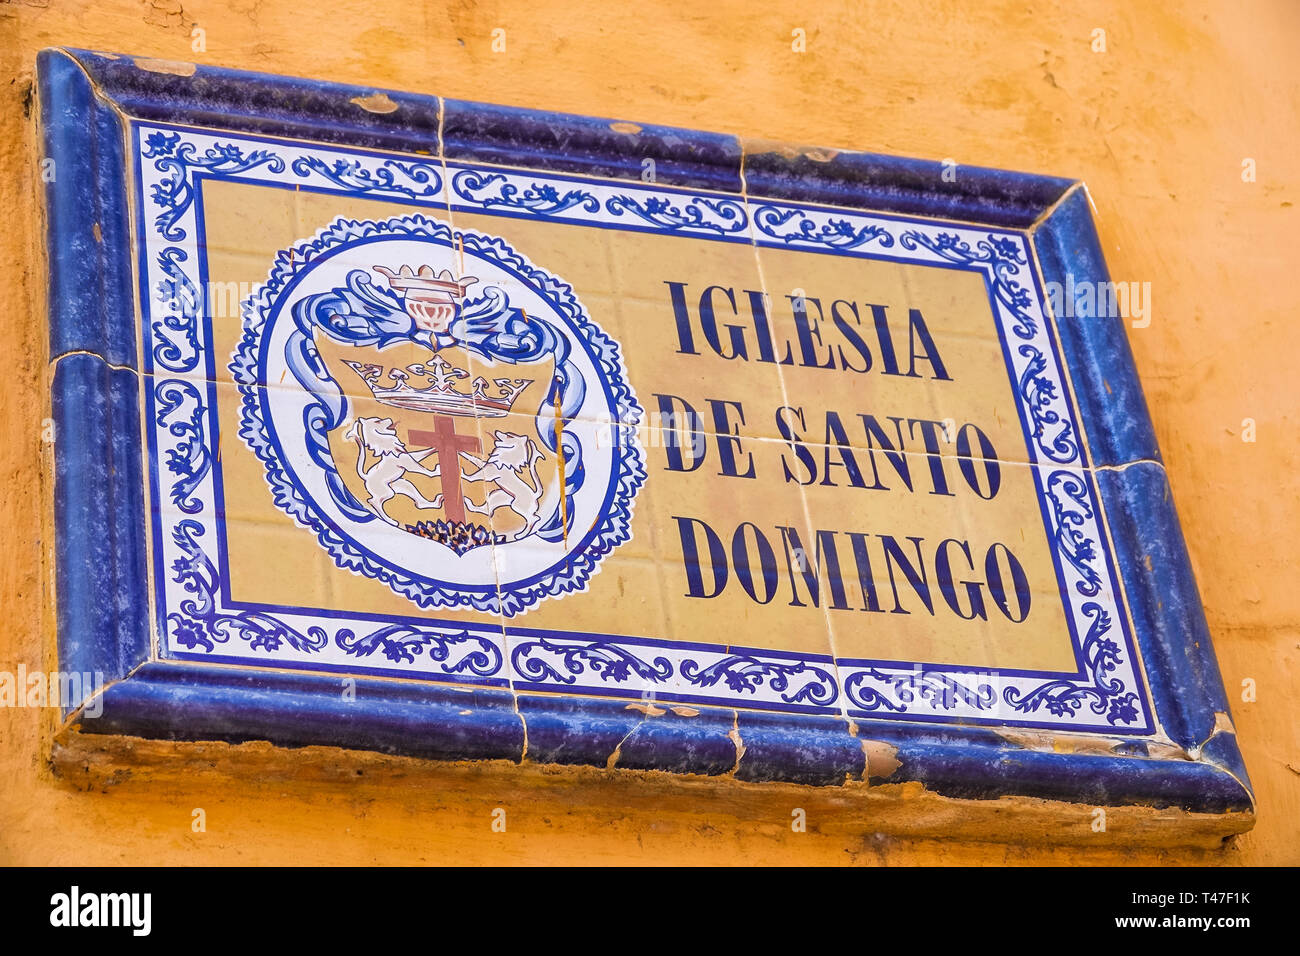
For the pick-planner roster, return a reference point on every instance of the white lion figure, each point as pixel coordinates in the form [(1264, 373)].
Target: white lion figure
[(386, 478), (505, 465)]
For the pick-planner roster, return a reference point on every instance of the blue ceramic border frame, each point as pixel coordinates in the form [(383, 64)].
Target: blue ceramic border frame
[(100, 551)]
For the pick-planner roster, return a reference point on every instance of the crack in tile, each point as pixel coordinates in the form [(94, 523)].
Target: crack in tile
[(121, 368)]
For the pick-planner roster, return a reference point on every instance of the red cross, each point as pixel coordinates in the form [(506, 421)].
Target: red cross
[(448, 443)]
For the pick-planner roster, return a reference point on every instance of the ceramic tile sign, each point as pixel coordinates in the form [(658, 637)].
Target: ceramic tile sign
[(621, 439), (451, 405)]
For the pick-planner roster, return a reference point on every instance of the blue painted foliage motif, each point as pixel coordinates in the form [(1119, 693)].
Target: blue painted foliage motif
[(414, 179), (940, 690), (1003, 258), (199, 623), (1001, 255), (459, 652), (1105, 696), (798, 682), (548, 661), (494, 189), (1050, 433), (190, 459), (182, 304), (1070, 511), (722, 216), (835, 233), (175, 193)]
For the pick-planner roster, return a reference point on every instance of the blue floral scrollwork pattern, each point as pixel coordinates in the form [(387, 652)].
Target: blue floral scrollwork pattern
[(1004, 258), (190, 459), (1070, 511), (177, 349), (1001, 255), (723, 216), (493, 189), (421, 179), (1050, 433), (836, 233), (1106, 695), (547, 660), (941, 691), (198, 622), (459, 652), (799, 682), (175, 193), (182, 302)]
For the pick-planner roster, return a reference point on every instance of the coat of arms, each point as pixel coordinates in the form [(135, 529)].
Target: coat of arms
[(442, 413)]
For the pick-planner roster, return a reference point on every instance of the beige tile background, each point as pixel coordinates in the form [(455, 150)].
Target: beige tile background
[(620, 276)]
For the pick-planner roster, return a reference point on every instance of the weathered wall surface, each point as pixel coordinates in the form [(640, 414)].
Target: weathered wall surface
[(1159, 125)]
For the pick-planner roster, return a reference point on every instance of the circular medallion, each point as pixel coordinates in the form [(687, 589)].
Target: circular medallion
[(442, 413)]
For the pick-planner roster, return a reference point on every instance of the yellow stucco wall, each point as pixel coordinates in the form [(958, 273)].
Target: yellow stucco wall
[(1158, 125)]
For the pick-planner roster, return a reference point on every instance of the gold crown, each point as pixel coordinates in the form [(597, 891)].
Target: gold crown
[(430, 297), (440, 394)]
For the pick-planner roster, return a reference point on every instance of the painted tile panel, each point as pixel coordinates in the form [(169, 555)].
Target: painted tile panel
[(490, 425)]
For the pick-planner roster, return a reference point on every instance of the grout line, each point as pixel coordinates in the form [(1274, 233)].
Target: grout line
[(744, 183), (121, 368), (946, 454), (498, 619), (828, 626), (442, 152), (98, 693)]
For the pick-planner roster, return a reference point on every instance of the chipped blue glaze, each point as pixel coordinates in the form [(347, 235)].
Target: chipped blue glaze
[(696, 742), (575, 730), (818, 751), (100, 520)]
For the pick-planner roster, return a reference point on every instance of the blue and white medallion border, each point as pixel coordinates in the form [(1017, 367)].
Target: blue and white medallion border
[(612, 525), (196, 620)]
